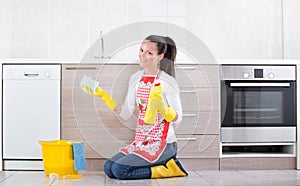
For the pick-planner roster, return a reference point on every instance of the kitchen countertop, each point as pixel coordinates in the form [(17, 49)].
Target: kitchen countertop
[(126, 61)]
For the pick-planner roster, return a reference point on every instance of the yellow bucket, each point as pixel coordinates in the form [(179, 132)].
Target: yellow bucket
[(58, 158)]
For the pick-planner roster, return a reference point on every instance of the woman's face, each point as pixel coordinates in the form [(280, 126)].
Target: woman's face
[(148, 55)]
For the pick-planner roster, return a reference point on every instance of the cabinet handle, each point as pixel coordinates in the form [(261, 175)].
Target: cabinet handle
[(189, 115), (185, 68), (186, 139), (188, 91), (80, 68)]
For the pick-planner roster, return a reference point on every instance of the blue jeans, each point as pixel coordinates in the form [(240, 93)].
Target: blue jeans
[(131, 166)]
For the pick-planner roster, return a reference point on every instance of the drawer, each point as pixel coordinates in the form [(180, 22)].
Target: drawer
[(103, 146), (258, 163), (116, 75), (100, 142), (117, 128), (72, 74), (76, 99), (108, 148), (197, 75), (99, 127), (106, 75), (200, 99), (198, 146), (199, 123)]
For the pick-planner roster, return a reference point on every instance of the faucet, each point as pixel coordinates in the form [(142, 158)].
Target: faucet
[(101, 40), (101, 45)]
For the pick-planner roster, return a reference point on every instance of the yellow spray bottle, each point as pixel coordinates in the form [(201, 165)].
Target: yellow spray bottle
[(151, 111)]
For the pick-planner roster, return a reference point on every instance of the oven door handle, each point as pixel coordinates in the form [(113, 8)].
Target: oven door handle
[(260, 84)]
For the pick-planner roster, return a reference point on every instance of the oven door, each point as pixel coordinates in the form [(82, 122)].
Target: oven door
[(258, 103)]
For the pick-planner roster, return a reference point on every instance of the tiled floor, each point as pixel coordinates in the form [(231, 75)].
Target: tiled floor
[(202, 178)]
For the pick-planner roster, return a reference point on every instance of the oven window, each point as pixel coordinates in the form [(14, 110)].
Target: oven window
[(257, 107)]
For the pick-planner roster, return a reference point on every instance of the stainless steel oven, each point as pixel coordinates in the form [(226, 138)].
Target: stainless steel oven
[(258, 103)]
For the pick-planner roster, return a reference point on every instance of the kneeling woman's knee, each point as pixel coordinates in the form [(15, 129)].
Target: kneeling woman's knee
[(107, 168), (120, 171)]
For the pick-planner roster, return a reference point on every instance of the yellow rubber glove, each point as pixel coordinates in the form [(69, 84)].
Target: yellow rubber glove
[(110, 102), (151, 111), (156, 103)]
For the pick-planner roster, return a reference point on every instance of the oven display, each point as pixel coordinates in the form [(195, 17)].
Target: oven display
[(258, 73)]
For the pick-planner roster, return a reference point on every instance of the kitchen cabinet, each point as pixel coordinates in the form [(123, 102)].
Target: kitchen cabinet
[(88, 119), (198, 133), (199, 90)]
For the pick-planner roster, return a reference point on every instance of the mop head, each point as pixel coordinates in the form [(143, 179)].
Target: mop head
[(88, 82)]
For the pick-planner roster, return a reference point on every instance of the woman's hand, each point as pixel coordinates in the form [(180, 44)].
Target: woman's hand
[(110, 102), (156, 103), (168, 113)]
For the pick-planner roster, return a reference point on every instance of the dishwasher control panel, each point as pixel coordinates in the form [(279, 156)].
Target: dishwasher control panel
[(31, 72)]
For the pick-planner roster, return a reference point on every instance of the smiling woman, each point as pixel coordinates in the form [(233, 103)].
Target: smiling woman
[(164, 48), (149, 57), (153, 152)]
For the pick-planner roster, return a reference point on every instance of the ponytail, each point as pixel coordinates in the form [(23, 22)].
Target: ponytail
[(166, 46)]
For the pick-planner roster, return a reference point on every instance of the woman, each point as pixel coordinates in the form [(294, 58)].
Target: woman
[(153, 152)]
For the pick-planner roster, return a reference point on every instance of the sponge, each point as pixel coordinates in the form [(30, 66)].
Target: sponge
[(88, 82)]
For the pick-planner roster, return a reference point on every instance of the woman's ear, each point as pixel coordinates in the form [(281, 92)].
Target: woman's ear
[(161, 56)]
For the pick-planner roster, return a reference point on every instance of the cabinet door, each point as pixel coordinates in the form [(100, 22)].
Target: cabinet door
[(199, 123), (198, 146), (200, 97), (87, 118), (193, 76)]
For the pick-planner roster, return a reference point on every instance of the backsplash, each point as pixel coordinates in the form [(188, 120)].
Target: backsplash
[(249, 29)]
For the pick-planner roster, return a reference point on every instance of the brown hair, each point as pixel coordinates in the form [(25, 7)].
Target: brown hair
[(166, 46)]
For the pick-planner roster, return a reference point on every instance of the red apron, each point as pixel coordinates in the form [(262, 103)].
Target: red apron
[(150, 140)]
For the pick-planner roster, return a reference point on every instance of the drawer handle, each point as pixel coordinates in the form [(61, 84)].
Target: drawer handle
[(29, 74), (188, 91), (80, 68), (186, 68), (189, 115), (186, 139)]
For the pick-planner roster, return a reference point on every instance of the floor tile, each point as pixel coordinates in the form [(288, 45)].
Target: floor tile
[(26, 178), (143, 182), (219, 178), (273, 177), (88, 178), (192, 179), (6, 174), (203, 178)]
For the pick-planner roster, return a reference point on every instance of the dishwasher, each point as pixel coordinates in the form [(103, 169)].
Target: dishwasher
[(31, 113)]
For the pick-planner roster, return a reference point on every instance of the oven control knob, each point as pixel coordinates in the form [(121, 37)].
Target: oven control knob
[(271, 75), (246, 75), (47, 74)]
